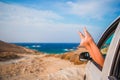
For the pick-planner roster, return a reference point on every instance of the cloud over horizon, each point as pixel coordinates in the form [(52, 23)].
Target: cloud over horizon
[(24, 24)]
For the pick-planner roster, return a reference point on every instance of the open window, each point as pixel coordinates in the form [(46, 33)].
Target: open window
[(106, 38), (105, 46)]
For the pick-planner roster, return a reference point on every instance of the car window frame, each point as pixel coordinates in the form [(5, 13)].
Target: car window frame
[(110, 30), (106, 35)]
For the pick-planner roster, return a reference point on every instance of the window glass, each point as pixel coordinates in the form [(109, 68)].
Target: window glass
[(105, 46)]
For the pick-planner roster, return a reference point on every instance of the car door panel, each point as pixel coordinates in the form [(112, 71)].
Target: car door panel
[(93, 73), (111, 54)]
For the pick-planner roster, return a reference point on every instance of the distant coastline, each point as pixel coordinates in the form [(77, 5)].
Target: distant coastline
[(50, 48)]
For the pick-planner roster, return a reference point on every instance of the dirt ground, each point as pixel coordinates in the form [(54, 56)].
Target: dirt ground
[(40, 67)]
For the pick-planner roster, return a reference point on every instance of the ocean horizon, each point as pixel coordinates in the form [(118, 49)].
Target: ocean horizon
[(50, 48)]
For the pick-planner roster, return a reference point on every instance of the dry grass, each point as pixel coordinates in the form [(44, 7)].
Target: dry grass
[(50, 55), (72, 56), (104, 50), (8, 56)]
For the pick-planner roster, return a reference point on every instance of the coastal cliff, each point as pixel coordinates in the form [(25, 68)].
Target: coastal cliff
[(19, 63)]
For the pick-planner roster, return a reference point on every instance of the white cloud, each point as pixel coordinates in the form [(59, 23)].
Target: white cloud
[(92, 8), (21, 24), (22, 15)]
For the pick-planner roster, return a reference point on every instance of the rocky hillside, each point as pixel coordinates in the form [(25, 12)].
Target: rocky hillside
[(6, 47), (11, 51)]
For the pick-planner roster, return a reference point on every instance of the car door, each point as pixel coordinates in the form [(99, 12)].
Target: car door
[(93, 70), (112, 58)]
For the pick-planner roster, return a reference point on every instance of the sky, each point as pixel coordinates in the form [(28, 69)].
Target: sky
[(55, 21)]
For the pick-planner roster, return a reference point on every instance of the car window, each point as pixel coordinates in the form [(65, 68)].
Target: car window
[(105, 46)]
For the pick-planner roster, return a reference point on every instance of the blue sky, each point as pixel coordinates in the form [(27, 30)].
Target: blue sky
[(54, 21)]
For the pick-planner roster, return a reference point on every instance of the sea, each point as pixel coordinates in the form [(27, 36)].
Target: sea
[(50, 48)]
